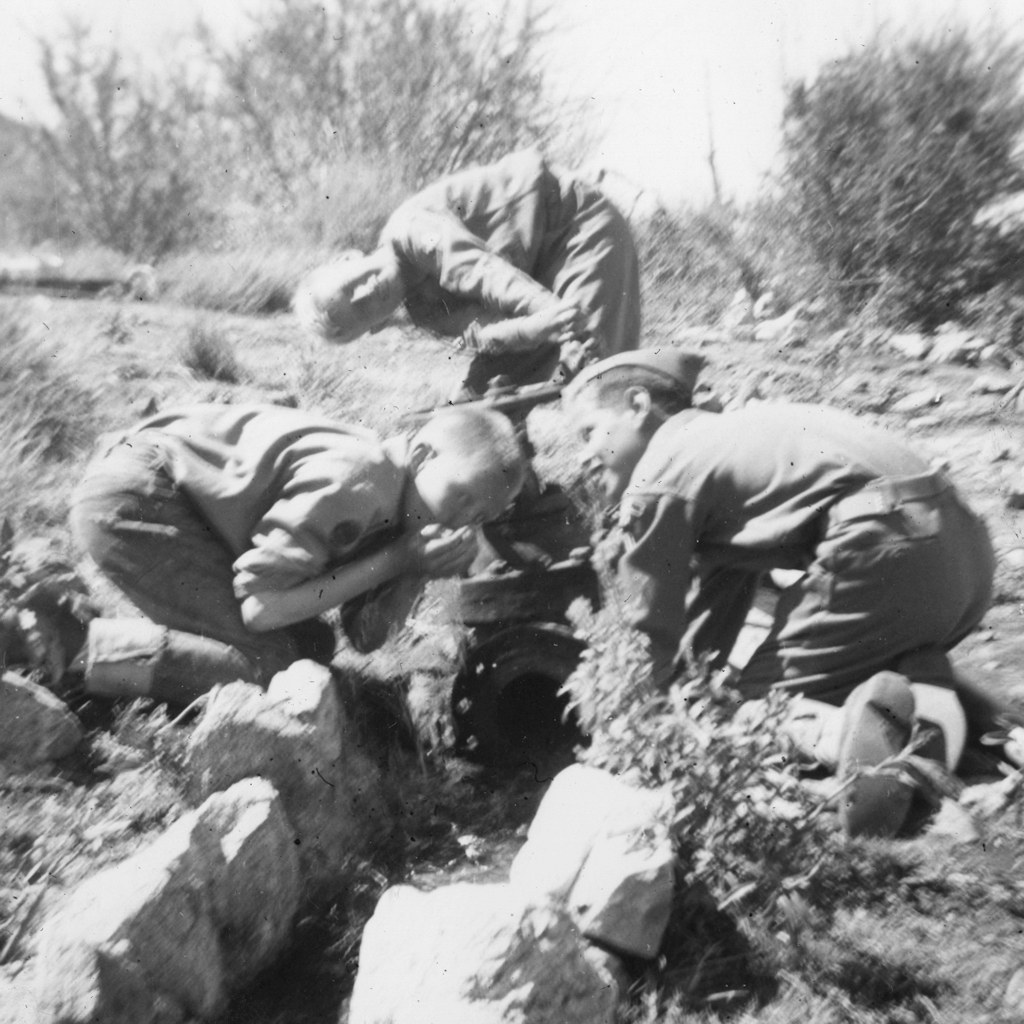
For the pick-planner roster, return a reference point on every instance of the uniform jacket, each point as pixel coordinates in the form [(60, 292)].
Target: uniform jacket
[(743, 490), (508, 239), (289, 492)]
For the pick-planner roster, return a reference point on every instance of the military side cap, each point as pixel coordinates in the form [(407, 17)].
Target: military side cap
[(679, 366)]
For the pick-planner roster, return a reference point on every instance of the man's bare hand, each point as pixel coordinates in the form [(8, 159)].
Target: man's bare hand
[(436, 552), (560, 324)]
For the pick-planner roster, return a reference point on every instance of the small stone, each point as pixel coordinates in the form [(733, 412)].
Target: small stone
[(35, 726), (991, 384), (740, 310), (953, 347), (996, 355), (917, 400), (913, 345), (953, 822), (1014, 558), (1013, 997)]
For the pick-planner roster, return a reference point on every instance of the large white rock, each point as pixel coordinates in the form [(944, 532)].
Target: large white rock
[(623, 895), (35, 726), (476, 954), (581, 806), (295, 735), (169, 931)]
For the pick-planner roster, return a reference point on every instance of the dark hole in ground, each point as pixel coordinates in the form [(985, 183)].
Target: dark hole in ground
[(533, 716), (507, 708)]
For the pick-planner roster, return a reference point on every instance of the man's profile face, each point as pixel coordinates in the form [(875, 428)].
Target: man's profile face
[(358, 294), (460, 493), (614, 438)]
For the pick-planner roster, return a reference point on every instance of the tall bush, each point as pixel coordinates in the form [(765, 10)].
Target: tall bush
[(419, 88), (890, 155), (121, 147)]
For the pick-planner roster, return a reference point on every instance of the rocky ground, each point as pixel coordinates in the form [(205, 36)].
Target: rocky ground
[(964, 410)]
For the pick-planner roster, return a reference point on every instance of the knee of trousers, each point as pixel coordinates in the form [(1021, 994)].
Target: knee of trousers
[(128, 658)]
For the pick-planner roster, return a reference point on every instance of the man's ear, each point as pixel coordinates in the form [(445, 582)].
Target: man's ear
[(420, 453), (638, 399), (364, 290)]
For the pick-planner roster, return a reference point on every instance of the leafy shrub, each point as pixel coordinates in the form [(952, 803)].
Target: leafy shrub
[(744, 825), (421, 87), (125, 169), (892, 152), (209, 353)]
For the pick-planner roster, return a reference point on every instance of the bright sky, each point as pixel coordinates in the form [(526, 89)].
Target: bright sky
[(660, 72)]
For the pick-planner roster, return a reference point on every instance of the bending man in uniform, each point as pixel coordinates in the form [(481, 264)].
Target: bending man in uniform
[(896, 569), (527, 265), (233, 528)]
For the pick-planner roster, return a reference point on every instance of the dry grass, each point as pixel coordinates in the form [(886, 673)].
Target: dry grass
[(905, 934), (246, 280), (210, 354)]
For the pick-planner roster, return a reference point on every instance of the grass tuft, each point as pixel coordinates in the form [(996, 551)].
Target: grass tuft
[(248, 281), (210, 354)]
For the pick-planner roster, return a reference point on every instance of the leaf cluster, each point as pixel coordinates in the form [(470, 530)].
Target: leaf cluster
[(893, 152), (120, 150), (744, 825), (318, 115)]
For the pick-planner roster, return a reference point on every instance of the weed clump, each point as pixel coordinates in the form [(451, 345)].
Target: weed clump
[(744, 825), (209, 354), (246, 281), (48, 411)]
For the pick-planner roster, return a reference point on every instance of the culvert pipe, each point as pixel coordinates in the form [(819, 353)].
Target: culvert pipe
[(507, 708)]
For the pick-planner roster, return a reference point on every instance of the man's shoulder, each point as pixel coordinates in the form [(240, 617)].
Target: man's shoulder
[(769, 415)]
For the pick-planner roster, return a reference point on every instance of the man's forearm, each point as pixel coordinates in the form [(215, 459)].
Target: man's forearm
[(515, 334), (274, 609)]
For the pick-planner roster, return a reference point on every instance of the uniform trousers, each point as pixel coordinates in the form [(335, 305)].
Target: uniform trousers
[(151, 541)]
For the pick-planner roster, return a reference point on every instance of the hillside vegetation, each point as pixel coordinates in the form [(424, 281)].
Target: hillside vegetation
[(236, 174)]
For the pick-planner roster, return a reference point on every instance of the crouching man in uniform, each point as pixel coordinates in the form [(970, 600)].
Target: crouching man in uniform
[(532, 269), (895, 568), (234, 528)]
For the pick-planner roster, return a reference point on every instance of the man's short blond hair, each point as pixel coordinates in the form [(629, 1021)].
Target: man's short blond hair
[(482, 436), (320, 303)]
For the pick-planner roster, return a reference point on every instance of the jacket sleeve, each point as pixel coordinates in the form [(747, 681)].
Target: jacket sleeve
[(325, 516), (439, 245), (654, 571)]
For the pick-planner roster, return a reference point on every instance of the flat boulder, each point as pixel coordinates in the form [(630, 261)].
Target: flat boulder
[(601, 848), (583, 805), (622, 898), (167, 933), (476, 954), (295, 735), (913, 345)]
